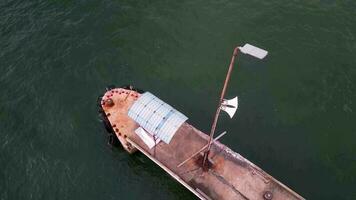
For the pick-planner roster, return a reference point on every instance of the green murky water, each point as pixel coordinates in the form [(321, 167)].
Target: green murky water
[(297, 115)]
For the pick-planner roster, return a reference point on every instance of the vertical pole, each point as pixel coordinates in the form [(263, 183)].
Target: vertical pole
[(128, 93), (154, 150), (213, 126)]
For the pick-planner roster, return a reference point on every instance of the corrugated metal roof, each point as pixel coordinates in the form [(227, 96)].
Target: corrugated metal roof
[(156, 116)]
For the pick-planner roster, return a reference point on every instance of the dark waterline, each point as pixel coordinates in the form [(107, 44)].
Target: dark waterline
[(296, 117)]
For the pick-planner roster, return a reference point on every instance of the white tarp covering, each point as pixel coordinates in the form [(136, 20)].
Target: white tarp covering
[(146, 137), (156, 117)]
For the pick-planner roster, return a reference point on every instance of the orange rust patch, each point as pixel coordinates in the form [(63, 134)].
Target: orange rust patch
[(118, 113), (231, 177), (219, 163)]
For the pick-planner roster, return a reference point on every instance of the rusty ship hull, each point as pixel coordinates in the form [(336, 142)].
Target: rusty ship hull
[(231, 176)]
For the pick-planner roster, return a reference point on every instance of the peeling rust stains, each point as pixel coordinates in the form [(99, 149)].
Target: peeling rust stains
[(231, 176)]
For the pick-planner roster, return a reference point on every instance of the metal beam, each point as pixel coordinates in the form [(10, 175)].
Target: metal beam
[(202, 149), (215, 121)]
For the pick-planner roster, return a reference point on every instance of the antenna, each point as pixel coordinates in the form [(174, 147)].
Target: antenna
[(246, 49)]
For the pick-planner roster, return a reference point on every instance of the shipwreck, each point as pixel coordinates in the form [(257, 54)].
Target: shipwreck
[(140, 121)]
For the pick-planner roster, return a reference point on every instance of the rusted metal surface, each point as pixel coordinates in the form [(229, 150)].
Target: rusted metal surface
[(202, 149), (231, 175)]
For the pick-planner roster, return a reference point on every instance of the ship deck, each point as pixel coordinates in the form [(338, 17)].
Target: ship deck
[(231, 175)]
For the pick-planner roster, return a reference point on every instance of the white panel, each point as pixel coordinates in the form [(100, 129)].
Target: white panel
[(230, 106), (146, 137), (164, 110), (171, 126), (146, 98), (254, 51), (157, 117), (155, 120)]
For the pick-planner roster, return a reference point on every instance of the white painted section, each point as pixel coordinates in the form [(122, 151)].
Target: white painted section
[(230, 106), (253, 51), (156, 116), (146, 137)]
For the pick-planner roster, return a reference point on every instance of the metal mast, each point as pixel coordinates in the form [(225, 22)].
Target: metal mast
[(246, 49), (213, 126)]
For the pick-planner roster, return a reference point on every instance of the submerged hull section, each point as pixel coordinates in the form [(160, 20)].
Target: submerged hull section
[(230, 176)]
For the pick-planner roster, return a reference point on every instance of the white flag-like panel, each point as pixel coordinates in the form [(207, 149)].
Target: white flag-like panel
[(230, 106), (253, 51), (147, 138)]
